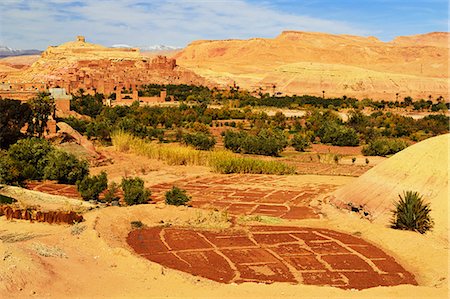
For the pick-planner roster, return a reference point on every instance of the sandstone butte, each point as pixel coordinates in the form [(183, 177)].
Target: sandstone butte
[(309, 63), (80, 64), (422, 167)]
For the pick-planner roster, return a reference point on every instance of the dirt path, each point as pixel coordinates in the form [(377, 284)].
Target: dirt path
[(268, 254)]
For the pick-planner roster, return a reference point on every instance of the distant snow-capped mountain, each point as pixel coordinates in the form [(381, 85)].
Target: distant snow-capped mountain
[(147, 48), (7, 51), (121, 46), (158, 48)]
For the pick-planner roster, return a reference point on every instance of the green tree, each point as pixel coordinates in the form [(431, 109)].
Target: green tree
[(30, 157), (65, 168), (200, 141), (300, 142), (14, 115), (42, 107)]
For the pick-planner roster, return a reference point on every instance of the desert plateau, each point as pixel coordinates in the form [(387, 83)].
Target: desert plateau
[(202, 149)]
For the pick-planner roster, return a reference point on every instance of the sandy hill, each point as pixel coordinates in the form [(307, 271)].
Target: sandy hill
[(307, 63), (422, 167)]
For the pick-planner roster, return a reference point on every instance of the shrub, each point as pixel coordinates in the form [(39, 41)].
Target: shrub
[(134, 192), (65, 168), (91, 186), (384, 147), (177, 197), (10, 173), (411, 213), (6, 199), (30, 157), (300, 142), (267, 142), (136, 224), (110, 194), (199, 140)]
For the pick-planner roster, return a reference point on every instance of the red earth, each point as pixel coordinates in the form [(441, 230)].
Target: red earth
[(238, 195), (268, 254), (51, 187)]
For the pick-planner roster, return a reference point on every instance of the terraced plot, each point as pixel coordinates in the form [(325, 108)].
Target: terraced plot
[(238, 195), (268, 254)]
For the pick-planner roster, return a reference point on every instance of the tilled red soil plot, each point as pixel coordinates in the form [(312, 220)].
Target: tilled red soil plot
[(270, 254), (54, 188), (238, 195)]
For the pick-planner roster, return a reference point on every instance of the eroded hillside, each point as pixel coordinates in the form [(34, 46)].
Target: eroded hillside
[(309, 63)]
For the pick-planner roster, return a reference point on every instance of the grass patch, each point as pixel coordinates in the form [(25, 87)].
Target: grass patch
[(48, 251), (17, 237), (220, 161), (226, 162), (210, 220), (137, 224), (261, 219), (77, 229), (170, 153)]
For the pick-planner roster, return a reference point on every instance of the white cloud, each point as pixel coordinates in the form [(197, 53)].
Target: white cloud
[(37, 24)]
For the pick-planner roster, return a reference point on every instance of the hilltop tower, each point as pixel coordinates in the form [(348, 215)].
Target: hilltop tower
[(80, 38)]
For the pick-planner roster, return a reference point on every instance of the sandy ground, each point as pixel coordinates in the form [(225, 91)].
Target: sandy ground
[(97, 263), (93, 260)]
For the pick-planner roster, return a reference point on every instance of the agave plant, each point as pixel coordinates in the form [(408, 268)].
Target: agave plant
[(412, 213)]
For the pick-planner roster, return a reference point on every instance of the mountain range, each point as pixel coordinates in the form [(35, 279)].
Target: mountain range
[(7, 51), (148, 48)]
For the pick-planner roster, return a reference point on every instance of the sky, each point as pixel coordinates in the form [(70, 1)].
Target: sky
[(30, 24)]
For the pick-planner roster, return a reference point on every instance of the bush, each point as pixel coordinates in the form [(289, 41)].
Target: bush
[(384, 147), (177, 197), (9, 170), (136, 224), (110, 194), (200, 141), (6, 199), (412, 213), (30, 157), (300, 142), (91, 186), (134, 192), (267, 142), (65, 168)]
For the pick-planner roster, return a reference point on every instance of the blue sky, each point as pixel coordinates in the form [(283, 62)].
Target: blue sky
[(37, 24)]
